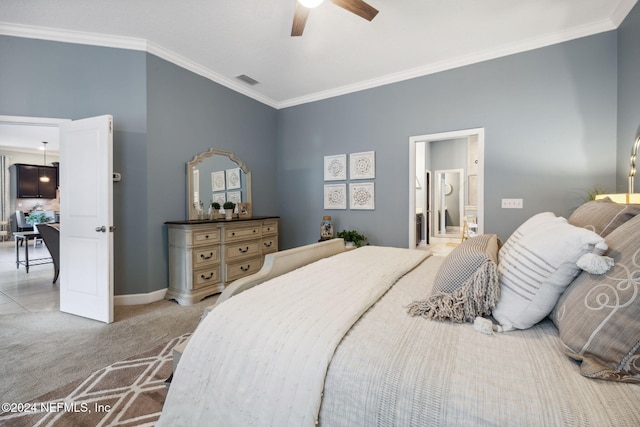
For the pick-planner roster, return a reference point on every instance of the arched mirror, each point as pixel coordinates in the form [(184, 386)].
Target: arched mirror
[(216, 176)]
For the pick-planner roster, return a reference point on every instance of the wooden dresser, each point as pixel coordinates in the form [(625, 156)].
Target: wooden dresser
[(205, 256)]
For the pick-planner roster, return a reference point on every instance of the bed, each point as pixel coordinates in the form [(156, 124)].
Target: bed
[(390, 336)]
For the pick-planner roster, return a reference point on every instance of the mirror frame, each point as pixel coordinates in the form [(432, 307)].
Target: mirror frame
[(191, 212)]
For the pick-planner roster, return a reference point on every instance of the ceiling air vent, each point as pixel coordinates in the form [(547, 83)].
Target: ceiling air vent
[(248, 80)]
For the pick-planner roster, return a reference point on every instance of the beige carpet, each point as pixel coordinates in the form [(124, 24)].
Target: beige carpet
[(127, 393), (41, 352)]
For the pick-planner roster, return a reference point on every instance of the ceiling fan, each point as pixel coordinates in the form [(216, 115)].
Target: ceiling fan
[(303, 7)]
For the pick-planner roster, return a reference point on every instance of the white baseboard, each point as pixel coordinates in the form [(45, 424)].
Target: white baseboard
[(136, 299)]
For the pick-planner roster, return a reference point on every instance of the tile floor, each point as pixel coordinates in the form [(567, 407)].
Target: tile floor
[(22, 292)]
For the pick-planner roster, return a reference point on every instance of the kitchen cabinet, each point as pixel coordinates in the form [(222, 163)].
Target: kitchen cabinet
[(26, 182)]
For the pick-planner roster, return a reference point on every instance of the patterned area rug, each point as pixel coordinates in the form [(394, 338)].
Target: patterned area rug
[(127, 393)]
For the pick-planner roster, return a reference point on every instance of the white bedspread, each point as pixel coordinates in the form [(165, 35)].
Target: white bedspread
[(261, 357), (392, 369)]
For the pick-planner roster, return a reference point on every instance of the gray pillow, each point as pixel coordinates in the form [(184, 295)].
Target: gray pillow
[(603, 216), (466, 285), (598, 316)]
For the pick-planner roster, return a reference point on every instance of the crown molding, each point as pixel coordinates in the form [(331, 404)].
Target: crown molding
[(94, 39), (506, 50), (623, 9)]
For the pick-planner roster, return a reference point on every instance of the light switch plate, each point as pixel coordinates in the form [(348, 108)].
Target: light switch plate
[(512, 204)]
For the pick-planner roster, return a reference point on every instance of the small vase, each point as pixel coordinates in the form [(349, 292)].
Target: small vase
[(228, 213)]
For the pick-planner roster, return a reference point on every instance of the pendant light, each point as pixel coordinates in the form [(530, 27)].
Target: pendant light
[(43, 177)]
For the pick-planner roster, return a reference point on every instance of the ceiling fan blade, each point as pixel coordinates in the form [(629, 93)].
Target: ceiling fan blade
[(358, 7), (299, 20)]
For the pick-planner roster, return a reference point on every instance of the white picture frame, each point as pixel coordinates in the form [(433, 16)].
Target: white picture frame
[(362, 165), (335, 167), (219, 198), (218, 181), (234, 181), (362, 196), (335, 196), (234, 196)]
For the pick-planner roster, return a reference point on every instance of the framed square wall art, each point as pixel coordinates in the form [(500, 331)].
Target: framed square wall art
[(219, 198), (362, 165), (217, 181), (363, 196), (335, 196), (233, 179), (234, 196), (335, 167)]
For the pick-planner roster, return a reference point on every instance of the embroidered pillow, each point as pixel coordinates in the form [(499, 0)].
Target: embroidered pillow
[(603, 216), (466, 284), (598, 317), (536, 264)]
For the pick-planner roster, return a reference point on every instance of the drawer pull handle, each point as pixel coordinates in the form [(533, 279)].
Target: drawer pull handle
[(203, 256), (268, 228), (255, 231), (268, 244), (207, 278), (245, 250), (206, 237), (245, 269), (233, 234)]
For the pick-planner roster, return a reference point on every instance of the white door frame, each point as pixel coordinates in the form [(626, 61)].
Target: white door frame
[(479, 132), (47, 122)]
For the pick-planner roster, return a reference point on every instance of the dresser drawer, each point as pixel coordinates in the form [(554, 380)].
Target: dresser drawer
[(243, 268), (270, 227), (206, 256), (238, 251), (206, 277), (235, 234), (205, 237), (269, 244)]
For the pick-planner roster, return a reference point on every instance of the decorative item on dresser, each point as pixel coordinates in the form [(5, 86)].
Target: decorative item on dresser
[(205, 256)]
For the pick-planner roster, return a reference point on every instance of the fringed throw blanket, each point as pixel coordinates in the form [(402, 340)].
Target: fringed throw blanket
[(261, 357), (467, 284)]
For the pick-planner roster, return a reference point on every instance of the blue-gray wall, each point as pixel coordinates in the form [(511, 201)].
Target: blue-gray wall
[(188, 114), (558, 121), (628, 94), (49, 79), (550, 121), (163, 116)]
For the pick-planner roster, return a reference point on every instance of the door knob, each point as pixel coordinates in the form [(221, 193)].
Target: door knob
[(102, 229)]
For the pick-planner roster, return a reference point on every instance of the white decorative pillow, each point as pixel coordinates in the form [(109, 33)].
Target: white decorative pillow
[(536, 264)]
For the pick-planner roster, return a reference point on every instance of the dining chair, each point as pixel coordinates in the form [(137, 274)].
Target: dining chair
[(50, 232)]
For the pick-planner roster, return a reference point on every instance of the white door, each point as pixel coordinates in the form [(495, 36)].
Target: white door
[(86, 218)]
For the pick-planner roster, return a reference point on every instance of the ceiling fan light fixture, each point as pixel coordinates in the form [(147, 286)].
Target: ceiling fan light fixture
[(310, 4)]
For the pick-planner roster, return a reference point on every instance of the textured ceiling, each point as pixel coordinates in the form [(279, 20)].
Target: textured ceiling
[(338, 53)]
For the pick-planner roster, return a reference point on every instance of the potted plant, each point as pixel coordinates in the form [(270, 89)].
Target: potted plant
[(38, 217), (228, 209), (352, 238), (215, 210)]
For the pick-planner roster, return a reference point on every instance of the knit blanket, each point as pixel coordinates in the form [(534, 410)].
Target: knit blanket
[(260, 358)]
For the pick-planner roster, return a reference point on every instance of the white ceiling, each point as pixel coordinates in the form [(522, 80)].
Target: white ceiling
[(338, 53), (28, 138)]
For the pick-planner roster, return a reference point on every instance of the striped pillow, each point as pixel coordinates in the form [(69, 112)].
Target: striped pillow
[(466, 285), (536, 264)]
